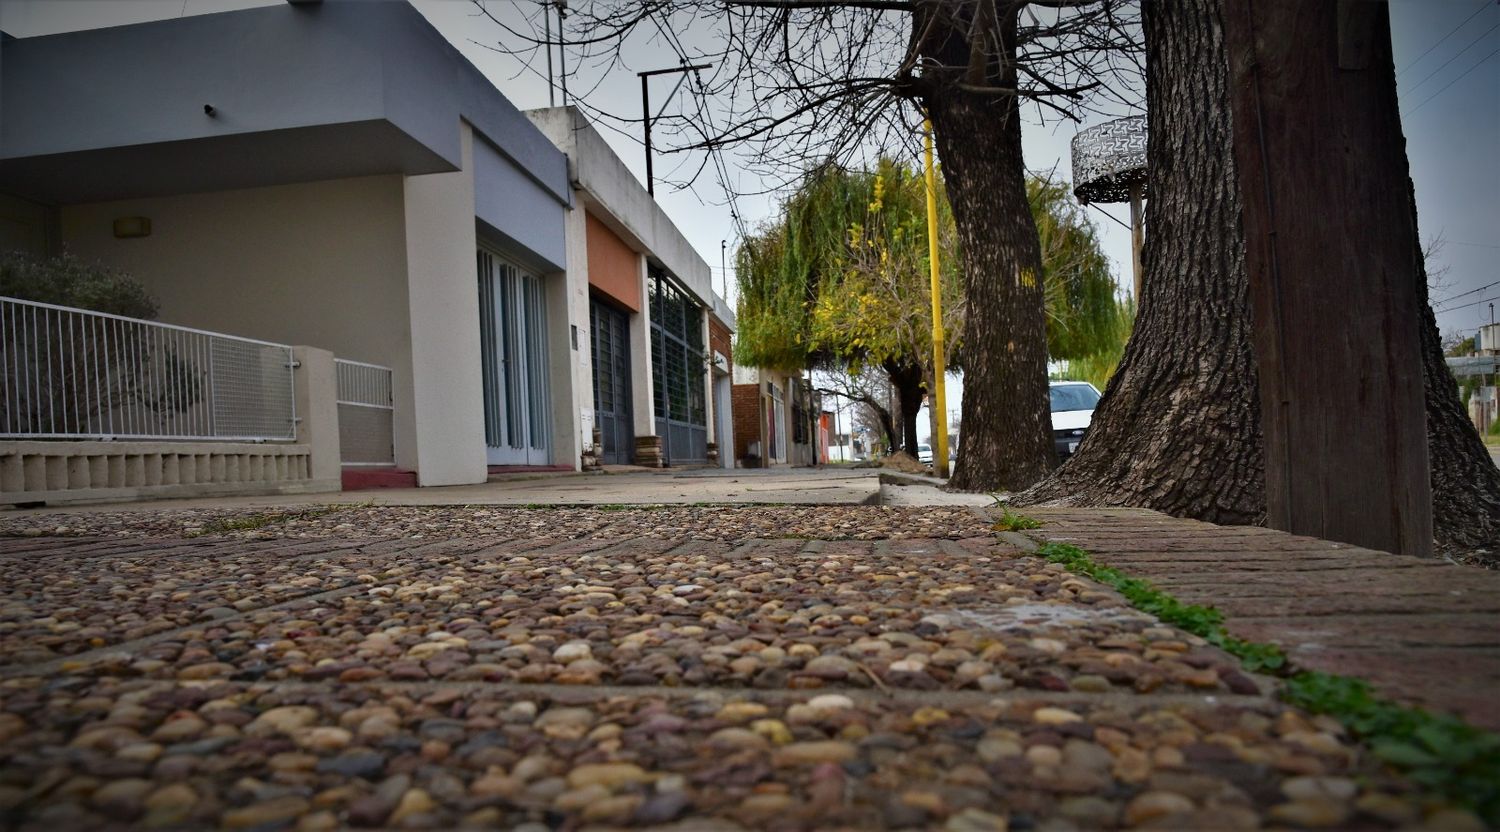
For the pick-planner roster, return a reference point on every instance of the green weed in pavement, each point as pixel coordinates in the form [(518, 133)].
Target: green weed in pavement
[(261, 520), (1014, 522), (1436, 751)]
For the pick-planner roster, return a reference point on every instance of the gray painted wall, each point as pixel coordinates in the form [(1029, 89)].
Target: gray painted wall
[(517, 210), (265, 70)]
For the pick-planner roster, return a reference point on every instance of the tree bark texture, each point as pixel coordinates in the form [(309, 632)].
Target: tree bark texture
[(907, 379), (1333, 292), (1465, 481), (1178, 429), (1007, 423)]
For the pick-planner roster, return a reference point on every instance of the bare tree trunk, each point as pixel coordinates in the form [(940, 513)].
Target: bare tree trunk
[(1007, 425), (881, 413), (1178, 429), (907, 379)]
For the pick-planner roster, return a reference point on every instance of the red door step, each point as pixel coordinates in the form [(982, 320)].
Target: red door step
[(366, 479)]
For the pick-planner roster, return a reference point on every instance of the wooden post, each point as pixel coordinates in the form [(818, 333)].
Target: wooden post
[(1137, 235), (1332, 262)]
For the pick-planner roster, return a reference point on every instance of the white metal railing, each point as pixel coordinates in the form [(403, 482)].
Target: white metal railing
[(366, 413), (73, 374)]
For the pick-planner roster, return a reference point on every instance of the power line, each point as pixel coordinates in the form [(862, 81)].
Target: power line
[(1481, 37), (1111, 216), (1467, 305), (1461, 294), (1482, 6), (1482, 61)]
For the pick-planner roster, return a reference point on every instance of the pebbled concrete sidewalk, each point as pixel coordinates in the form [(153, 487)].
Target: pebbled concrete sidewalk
[(684, 668), (1423, 631)]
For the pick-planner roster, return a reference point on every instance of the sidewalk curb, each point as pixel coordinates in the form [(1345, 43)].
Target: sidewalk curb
[(900, 478)]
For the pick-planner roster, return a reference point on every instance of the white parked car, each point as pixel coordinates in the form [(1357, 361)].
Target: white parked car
[(924, 453), (1072, 410)]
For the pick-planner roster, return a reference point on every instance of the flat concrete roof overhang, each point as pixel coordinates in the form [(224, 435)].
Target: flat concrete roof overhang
[(215, 163), (263, 96)]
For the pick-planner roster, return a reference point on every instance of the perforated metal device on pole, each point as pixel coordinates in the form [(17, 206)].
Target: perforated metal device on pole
[(1108, 159), (1109, 165)]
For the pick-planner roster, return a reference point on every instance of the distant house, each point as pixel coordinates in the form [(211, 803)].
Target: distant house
[(652, 312), (338, 176), (776, 419)]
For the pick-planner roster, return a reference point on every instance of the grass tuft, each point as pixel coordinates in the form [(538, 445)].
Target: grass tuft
[(1011, 521), (250, 522)]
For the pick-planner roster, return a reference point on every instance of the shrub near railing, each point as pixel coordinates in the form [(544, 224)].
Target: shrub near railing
[(80, 357), (61, 374)]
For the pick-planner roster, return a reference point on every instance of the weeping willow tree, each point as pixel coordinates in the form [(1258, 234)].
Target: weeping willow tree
[(1097, 368), (1086, 324), (873, 306), (841, 280)]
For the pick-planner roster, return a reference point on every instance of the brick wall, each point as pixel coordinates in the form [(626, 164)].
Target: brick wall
[(745, 407), (720, 340)]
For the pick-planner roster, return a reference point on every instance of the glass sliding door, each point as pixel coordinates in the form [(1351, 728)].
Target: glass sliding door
[(513, 359)]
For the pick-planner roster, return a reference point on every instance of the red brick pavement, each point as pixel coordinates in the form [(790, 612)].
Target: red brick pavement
[(1423, 631)]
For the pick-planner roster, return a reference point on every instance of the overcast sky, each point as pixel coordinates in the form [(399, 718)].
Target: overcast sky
[(1447, 58)]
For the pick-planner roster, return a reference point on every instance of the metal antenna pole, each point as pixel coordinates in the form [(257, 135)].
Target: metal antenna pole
[(646, 117), (562, 52), (724, 273), (551, 87)]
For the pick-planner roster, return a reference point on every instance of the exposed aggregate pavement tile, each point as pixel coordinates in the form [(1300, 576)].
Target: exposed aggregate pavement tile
[(120, 753), (686, 668), (658, 523)]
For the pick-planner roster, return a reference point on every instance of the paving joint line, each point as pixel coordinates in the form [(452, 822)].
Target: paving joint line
[(899, 696)]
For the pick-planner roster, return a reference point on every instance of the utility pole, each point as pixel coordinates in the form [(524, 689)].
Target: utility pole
[(1330, 249), (938, 404), (724, 273), (646, 116)]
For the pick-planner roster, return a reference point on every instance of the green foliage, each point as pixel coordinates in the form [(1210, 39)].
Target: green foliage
[(1437, 751), (261, 520), (1441, 753), (71, 281), (874, 303), (844, 275), (772, 317), (1097, 368), (1465, 346), (1013, 522), (1083, 317), (65, 377)]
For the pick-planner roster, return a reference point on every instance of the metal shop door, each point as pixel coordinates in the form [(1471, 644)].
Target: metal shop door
[(609, 330)]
